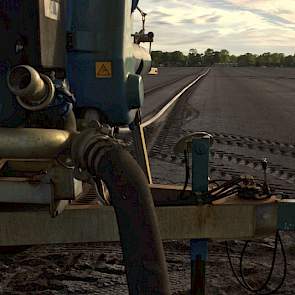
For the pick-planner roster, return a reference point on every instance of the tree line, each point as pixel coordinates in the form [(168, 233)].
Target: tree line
[(211, 57)]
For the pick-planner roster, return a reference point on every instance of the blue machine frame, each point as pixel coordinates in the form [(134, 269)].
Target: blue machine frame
[(101, 64)]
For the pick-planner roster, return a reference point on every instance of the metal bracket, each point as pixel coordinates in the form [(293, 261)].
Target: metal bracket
[(199, 248), (140, 147), (198, 145), (200, 162)]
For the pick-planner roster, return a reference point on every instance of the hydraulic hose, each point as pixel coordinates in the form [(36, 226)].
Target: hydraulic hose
[(140, 237), (131, 198)]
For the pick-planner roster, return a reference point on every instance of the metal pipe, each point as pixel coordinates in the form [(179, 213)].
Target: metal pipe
[(32, 143), (33, 91), (70, 123)]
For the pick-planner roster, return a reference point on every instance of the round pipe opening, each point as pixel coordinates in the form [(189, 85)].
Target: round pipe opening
[(20, 78)]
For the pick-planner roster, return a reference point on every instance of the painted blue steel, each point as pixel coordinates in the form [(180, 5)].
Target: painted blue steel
[(199, 247), (62, 104), (286, 216), (101, 32), (200, 162)]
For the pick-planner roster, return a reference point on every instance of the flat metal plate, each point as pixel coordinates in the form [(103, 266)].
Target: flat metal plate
[(286, 215), (25, 192)]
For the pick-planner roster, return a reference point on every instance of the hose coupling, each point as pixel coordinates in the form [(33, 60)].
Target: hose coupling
[(88, 148), (34, 91)]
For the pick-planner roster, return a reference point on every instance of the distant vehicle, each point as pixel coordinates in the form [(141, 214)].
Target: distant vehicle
[(153, 71)]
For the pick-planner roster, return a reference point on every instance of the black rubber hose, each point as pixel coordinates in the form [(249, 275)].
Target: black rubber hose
[(137, 221)]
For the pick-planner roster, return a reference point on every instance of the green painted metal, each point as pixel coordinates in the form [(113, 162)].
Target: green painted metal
[(286, 215), (199, 247), (200, 162)]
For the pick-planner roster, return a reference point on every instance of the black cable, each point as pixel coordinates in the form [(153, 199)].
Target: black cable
[(225, 185), (244, 283), (264, 285), (187, 175), (223, 190), (227, 193), (226, 189), (220, 189)]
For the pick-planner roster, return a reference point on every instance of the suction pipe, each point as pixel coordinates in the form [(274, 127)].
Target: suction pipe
[(132, 200)]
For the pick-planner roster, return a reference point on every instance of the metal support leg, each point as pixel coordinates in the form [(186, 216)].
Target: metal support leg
[(141, 154), (200, 163), (199, 254), (199, 248)]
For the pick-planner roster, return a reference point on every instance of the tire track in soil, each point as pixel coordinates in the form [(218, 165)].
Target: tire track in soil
[(161, 139), (225, 164)]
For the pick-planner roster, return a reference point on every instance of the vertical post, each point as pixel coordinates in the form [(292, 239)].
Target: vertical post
[(140, 147), (200, 163), (199, 254), (199, 247)]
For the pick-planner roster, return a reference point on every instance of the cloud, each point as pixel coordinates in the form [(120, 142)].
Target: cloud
[(213, 19), (160, 14), (238, 25), (161, 23), (188, 21), (195, 38), (240, 5)]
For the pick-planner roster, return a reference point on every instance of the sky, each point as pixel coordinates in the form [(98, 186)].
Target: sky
[(240, 26)]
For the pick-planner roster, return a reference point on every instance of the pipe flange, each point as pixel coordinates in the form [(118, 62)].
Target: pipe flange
[(89, 147), (43, 103)]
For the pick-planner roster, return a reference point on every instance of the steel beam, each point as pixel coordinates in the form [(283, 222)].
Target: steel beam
[(94, 224)]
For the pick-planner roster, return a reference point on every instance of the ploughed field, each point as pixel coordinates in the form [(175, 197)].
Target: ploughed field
[(251, 114), (159, 89)]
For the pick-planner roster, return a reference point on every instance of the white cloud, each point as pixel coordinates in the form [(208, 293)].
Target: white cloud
[(238, 25)]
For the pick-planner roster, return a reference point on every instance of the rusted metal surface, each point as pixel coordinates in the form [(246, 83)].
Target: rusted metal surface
[(37, 182), (91, 223)]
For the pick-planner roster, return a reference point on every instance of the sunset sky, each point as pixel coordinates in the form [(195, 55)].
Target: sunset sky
[(240, 26)]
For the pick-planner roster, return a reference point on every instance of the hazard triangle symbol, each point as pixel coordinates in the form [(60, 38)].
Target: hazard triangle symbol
[(103, 70)]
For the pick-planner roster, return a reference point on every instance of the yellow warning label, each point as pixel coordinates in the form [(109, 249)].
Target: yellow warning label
[(104, 69)]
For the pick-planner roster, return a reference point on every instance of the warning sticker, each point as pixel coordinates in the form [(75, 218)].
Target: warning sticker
[(52, 9), (104, 69)]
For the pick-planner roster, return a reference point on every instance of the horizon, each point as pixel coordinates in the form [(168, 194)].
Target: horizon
[(240, 26), (230, 53)]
